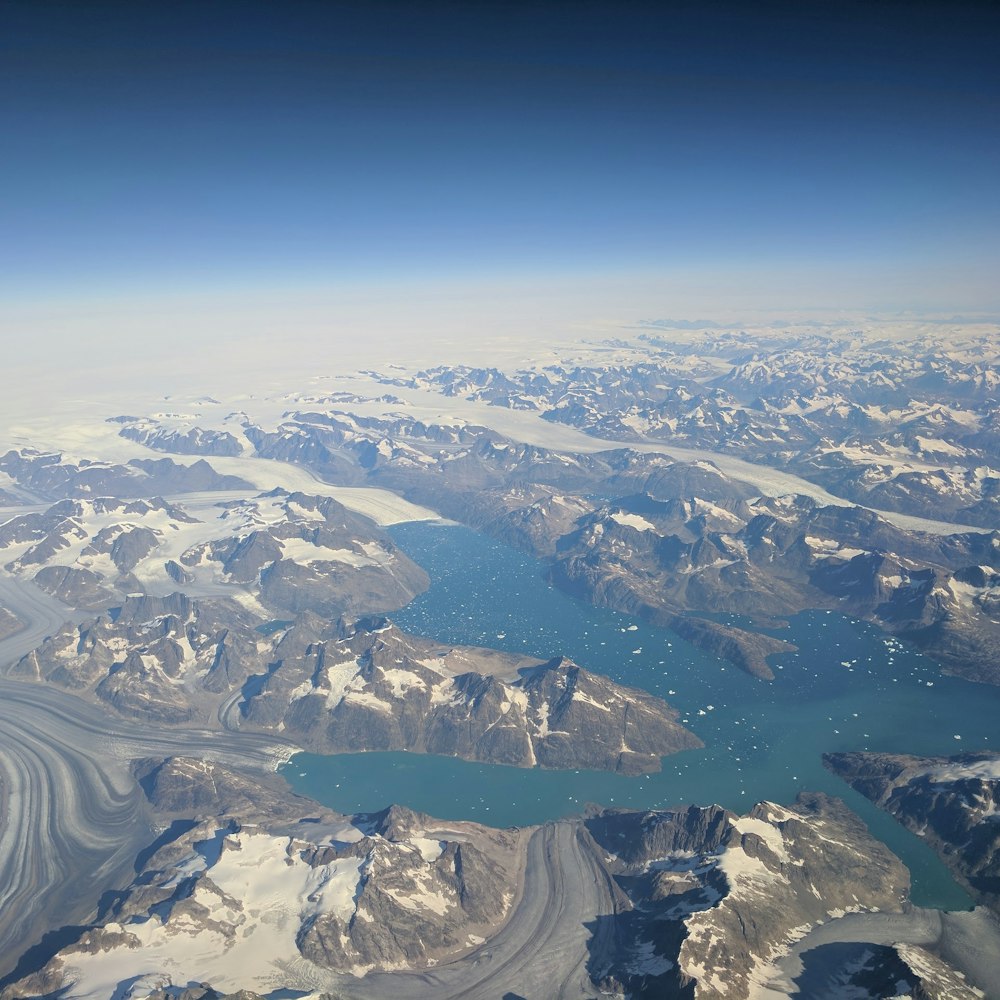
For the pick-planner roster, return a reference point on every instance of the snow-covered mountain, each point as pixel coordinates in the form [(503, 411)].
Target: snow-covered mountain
[(348, 686), (288, 552), (882, 410)]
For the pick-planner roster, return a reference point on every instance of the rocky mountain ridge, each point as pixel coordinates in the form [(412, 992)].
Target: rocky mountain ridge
[(712, 896), (51, 476), (288, 551), (355, 685), (953, 802), (677, 542), (241, 893), (895, 425), (248, 883), (770, 558)]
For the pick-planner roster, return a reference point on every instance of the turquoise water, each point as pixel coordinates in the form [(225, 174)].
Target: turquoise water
[(847, 688)]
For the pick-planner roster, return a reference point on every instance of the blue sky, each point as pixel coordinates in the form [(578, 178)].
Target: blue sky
[(840, 155)]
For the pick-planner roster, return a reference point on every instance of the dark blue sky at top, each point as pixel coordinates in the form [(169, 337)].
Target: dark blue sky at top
[(175, 145)]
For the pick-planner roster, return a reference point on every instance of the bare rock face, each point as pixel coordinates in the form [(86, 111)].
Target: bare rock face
[(690, 541), (77, 588), (288, 896), (186, 788), (252, 892), (177, 572), (54, 477), (763, 558), (931, 978), (288, 551), (840, 413), (308, 553), (374, 687), (528, 517), (866, 970), (747, 650), (180, 441), (952, 802), (663, 478), (628, 728), (465, 890), (712, 895), (84, 551), (155, 658), (355, 685)]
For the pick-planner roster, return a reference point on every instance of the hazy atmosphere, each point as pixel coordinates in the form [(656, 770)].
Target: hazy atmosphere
[(219, 171), (500, 500)]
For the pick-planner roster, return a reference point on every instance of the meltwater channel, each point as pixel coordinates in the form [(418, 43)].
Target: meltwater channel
[(847, 688)]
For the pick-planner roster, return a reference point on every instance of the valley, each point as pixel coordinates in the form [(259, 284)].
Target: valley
[(508, 632)]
